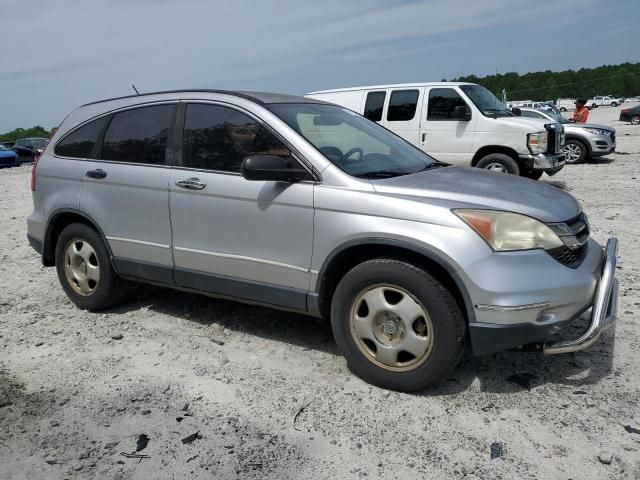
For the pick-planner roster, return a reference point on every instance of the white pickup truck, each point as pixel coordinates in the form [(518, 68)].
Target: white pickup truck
[(458, 123), (605, 101)]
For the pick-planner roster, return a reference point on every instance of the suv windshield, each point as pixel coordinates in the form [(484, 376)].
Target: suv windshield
[(358, 146), (486, 101), (555, 115)]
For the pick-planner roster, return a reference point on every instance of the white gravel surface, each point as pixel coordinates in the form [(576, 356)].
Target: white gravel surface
[(271, 397)]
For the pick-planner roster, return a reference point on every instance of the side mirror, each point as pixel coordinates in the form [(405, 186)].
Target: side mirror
[(273, 168), (462, 112), (516, 111)]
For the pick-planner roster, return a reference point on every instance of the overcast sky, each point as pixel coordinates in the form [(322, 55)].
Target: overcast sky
[(57, 55)]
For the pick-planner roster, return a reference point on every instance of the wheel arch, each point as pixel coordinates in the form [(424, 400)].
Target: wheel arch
[(58, 220), (348, 255), (580, 139), (489, 149)]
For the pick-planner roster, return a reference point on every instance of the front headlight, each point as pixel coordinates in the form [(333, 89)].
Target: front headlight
[(506, 231), (597, 131), (537, 142)]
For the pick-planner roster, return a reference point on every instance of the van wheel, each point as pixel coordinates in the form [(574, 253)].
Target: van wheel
[(562, 109), (396, 325), (532, 174), (84, 268), (575, 151), (499, 162), (635, 120)]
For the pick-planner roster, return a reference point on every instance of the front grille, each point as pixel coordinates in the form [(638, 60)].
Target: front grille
[(555, 137), (574, 234), (613, 137), (568, 257)]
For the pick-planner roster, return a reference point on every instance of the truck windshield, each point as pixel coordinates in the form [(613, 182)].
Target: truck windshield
[(486, 101), (358, 146)]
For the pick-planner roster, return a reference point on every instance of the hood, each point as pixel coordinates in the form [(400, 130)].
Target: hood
[(7, 153), (569, 126), (475, 188), (524, 124)]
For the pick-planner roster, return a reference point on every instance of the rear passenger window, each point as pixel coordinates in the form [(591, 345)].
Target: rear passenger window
[(442, 102), (373, 106), (139, 135), (80, 142), (219, 138), (402, 105)]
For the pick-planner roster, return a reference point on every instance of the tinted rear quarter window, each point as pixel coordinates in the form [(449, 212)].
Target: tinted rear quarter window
[(138, 135), (373, 106), (80, 142), (219, 138), (402, 105), (442, 102)]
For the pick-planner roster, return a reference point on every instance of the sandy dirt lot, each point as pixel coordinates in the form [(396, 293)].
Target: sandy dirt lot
[(270, 397)]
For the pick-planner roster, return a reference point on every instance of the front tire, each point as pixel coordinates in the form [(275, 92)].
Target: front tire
[(575, 151), (562, 109), (396, 325), (84, 268), (635, 120), (499, 162), (614, 104)]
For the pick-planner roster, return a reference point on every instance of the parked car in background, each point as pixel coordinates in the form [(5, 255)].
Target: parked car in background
[(631, 115), (29, 148), (459, 123), (565, 104), (605, 101), (8, 158), (301, 205), (582, 140)]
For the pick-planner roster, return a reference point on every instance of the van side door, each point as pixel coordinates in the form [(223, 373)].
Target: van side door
[(403, 113), (445, 134)]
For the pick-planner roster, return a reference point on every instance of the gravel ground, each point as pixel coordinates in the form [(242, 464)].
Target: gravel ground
[(270, 397)]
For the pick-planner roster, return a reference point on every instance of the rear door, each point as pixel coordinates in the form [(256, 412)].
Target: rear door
[(403, 113), (235, 237), (125, 190), (443, 136)]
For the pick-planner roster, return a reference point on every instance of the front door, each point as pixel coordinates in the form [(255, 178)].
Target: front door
[(443, 135), (125, 190), (234, 237)]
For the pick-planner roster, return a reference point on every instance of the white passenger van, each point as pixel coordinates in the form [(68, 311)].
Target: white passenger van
[(459, 123)]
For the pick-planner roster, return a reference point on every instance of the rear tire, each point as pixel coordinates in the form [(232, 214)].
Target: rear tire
[(575, 151), (397, 326), (499, 162), (84, 268), (635, 120)]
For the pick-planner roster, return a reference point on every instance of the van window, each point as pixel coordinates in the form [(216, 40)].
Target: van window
[(219, 138), (402, 105), (80, 142), (373, 106), (138, 135), (442, 102)]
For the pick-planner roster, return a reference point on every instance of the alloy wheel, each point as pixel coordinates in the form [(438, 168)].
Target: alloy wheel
[(573, 152), (496, 167)]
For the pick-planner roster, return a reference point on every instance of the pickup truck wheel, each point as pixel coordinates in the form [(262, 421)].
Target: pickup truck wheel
[(635, 120), (396, 325), (614, 104), (84, 268), (575, 151), (562, 109), (499, 162)]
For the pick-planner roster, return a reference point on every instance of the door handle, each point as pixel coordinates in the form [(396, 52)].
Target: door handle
[(191, 184), (424, 137), (98, 173)]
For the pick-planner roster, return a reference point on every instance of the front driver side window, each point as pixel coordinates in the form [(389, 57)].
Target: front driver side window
[(442, 104), (219, 138)]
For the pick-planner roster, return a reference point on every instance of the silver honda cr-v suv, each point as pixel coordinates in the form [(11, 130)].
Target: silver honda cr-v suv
[(306, 206)]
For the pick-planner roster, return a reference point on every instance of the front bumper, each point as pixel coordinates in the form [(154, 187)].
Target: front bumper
[(602, 144), (527, 299), (550, 163)]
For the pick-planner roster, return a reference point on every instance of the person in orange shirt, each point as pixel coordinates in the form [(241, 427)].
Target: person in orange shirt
[(582, 112)]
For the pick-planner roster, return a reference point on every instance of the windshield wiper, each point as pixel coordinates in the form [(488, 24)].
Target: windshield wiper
[(379, 174)]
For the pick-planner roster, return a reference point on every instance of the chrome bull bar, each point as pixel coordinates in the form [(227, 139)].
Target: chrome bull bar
[(603, 311)]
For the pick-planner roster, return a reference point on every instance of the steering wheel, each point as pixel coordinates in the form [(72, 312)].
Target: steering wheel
[(332, 153), (352, 151)]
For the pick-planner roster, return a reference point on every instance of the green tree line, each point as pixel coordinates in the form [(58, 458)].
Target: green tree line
[(620, 80), (14, 135)]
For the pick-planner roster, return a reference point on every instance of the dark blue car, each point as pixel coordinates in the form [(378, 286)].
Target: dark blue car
[(8, 158)]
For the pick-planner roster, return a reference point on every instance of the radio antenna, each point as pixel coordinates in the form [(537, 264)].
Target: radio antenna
[(135, 89)]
